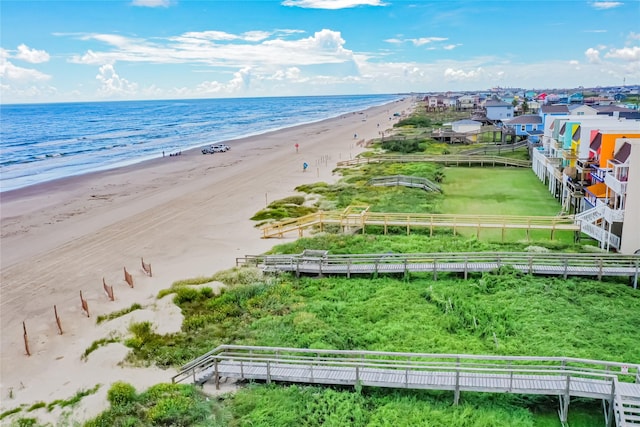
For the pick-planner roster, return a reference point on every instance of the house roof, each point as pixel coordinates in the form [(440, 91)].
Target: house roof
[(576, 134), (495, 103), (525, 119), (535, 132), (623, 153), (558, 109), (563, 128), (467, 122), (605, 109), (596, 142), (630, 115)]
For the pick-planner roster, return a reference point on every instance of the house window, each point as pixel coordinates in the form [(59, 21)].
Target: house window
[(523, 128), (580, 113)]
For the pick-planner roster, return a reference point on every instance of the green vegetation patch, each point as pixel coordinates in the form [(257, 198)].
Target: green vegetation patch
[(160, 405), (97, 344), (8, 412), (276, 405), (119, 313), (63, 403), (496, 191), (289, 207)]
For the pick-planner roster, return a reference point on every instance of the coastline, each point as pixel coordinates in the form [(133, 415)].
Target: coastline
[(187, 215)]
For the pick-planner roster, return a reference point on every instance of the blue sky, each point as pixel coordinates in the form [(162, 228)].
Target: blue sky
[(60, 51)]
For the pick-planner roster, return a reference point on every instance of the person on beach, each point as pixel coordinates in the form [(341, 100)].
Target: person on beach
[(304, 167)]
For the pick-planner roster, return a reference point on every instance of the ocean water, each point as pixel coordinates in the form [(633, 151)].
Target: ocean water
[(44, 142)]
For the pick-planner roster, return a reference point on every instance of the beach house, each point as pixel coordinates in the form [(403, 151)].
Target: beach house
[(497, 110), (587, 162), (528, 126)]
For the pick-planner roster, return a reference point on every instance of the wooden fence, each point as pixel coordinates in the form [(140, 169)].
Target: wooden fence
[(447, 160), (349, 220)]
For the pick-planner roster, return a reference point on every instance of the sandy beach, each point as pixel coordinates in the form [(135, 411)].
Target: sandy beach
[(187, 215)]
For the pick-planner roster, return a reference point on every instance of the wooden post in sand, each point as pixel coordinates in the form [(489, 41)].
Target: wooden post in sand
[(85, 306), (108, 289), (26, 339), (146, 267), (55, 311), (128, 277)]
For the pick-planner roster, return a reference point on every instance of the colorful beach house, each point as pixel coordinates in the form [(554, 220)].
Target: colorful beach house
[(528, 126), (614, 193), (586, 160)]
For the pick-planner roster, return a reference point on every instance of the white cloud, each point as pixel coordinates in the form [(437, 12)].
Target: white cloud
[(634, 36), (289, 74), (626, 53), (151, 3), (11, 73), (240, 82), (425, 40), (114, 85), (331, 4), (450, 46), (324, 47), (606, 4), (460, 75), (593, 55), (33, 56)]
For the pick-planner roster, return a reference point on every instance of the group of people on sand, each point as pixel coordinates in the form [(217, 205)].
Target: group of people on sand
[(179, 153)]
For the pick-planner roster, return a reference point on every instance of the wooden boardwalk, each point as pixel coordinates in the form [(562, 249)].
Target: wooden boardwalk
[(447, 160), (616, 384), (556, 264), (406, 181), (360, 217)]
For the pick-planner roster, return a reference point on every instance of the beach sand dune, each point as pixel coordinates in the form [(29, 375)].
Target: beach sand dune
[(187, 215)]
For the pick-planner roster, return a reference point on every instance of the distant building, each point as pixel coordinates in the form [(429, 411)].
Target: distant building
[(498, 110), (466, 126), (526, 126)]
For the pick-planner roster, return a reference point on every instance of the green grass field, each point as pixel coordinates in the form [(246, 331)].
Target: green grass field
[(496, 191)]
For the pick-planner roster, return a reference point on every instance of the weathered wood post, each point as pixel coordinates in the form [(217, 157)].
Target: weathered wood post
[(147, 267), (456, 395), (108, 289), (128, 277), (26, 339), (55, 312), (84, 304), (217, 374)]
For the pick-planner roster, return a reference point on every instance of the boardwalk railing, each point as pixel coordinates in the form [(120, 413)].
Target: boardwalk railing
[(565, 377), (349, 220), (560, 264), (404, 180), (447, 160), (494, 148)]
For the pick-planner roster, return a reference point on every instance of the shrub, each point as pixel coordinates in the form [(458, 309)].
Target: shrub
[(405, 147), (121, 394), (416, 121), (186, 294)]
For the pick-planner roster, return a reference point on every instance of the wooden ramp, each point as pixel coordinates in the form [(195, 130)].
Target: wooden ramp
[(616, 384), (361, 217), (447, 160), (406, 181), (552, 264)]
